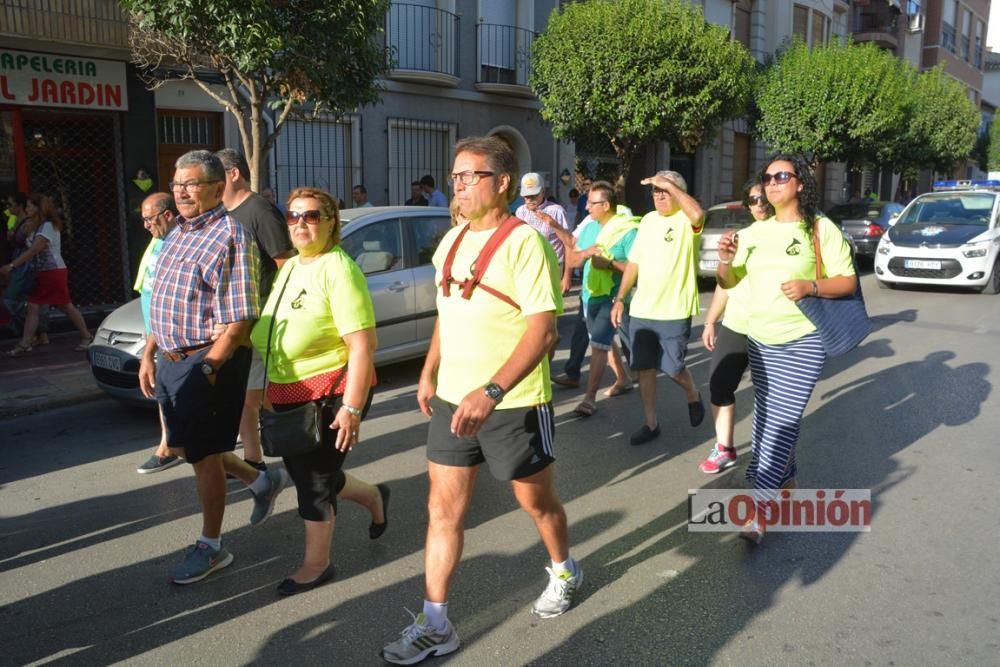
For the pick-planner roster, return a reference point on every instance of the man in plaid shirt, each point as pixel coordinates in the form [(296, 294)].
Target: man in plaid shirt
[(206, 274)]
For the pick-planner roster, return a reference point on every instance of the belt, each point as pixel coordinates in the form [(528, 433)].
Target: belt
[(180, 355)]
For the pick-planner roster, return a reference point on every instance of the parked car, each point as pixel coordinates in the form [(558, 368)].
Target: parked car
[(393, 246), (865, 223), (949, 237), (718, 220)]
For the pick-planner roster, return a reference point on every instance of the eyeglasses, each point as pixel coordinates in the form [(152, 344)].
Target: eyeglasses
[(779, 178), (537, 195), (311, 217), (595, 203), (469, 177), (657, 192), (190, 185), (756, 200), (151, 219)]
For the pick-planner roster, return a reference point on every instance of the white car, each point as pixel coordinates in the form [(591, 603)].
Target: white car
[(949, 237), (718, 220)]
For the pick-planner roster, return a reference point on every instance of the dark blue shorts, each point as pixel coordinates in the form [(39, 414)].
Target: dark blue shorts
[(602, 333), (202, 419), (659, 344)]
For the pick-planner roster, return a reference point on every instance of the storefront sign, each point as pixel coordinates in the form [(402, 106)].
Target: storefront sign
[(50, 80)]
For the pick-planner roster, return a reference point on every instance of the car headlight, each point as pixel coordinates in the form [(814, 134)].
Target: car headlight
[(884, 245), (979, 249)]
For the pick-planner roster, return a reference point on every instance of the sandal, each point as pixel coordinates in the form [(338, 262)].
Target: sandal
[(40, 340), (585, 409), (618, 390), (84, 344), (18, 350)]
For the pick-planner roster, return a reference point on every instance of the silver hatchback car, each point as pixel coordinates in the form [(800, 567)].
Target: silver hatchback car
[(393, 246)]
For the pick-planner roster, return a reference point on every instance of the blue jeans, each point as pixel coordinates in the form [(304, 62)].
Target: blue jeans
[(578, 345)]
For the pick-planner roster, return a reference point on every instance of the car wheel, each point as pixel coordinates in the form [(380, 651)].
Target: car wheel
[(992, 285)]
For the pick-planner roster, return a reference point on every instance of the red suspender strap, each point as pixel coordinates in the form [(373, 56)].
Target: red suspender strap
[(486, 256), (449, 260)]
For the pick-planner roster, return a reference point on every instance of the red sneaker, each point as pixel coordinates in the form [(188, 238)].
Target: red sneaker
[(720, 459)]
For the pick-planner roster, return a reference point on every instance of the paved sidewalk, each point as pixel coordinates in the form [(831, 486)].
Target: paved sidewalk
[(49, 376)]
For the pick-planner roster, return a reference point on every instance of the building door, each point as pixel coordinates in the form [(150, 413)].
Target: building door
[(181, 131), (741, 163)]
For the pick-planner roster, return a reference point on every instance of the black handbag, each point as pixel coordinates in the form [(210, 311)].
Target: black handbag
[(843, 322), (295, 431)]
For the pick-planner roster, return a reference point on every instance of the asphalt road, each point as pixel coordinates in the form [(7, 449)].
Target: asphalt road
[(86, 543)]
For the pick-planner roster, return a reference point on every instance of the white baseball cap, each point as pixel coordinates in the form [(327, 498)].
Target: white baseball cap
[(531, 184)]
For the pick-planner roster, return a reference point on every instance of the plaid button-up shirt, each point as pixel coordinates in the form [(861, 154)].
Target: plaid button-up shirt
[(207, 273)]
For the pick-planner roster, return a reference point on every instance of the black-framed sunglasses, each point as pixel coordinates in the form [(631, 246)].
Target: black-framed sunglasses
[(779, 177), (757, 200), (311, 217)]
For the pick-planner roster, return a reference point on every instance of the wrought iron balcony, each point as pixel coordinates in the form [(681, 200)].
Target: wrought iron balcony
[(99, 23), (424, 43), (504, 58), (878, 28)]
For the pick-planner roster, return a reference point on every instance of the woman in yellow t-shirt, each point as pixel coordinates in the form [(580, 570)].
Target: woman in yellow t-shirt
[(728, 344), (776, 259), (321, 326)]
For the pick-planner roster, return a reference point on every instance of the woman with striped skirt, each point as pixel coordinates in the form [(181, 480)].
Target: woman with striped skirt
[(777, 260)]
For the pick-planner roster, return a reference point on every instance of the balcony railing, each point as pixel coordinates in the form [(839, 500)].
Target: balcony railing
[(422, 40), (504, 54), (867, 23), (91, 22)]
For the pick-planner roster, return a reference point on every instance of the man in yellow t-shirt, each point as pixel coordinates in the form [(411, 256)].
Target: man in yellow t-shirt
[(486, 387), (663, 264)]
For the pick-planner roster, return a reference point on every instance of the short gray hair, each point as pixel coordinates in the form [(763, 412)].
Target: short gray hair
[(210, 165), (233, 159), (675, 177)]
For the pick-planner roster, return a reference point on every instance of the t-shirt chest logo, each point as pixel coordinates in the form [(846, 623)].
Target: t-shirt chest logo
[(299, 301), (794, 248), (669, 236)]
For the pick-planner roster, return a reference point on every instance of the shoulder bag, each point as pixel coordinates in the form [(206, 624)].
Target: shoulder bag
[(295, 431), (843, 322)]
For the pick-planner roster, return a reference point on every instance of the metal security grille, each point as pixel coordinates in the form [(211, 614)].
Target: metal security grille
[(187, 129), (324, 153), (75, 157), (417, 148)]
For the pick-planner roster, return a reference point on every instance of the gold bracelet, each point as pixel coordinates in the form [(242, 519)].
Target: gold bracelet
[(351, 410)]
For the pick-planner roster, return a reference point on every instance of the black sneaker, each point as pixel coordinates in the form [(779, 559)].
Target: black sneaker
[(696, 411), (644, 435), (259, 465)]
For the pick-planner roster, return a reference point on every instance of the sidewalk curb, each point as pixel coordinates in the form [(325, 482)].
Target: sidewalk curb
[(49, 404)]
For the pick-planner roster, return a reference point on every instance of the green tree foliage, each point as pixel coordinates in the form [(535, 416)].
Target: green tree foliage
[(834, 102), (942, 126), (290, 57), (993, 154), (633, 71)]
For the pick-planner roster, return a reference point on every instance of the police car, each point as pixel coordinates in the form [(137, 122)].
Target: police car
[(946, 237)]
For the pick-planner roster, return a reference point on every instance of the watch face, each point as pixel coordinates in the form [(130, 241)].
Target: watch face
[(494, 391)]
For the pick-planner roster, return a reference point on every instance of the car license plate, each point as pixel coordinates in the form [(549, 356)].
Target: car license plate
[(932, 265), (710, 263), (108, 361)]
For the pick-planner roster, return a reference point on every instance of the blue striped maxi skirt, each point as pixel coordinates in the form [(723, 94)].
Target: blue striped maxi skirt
[(783, 378)]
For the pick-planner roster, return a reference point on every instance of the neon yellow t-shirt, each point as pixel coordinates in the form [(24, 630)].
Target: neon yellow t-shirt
[(324, 301), (736, 317), (478, 335), (770, 253), (666, 250)]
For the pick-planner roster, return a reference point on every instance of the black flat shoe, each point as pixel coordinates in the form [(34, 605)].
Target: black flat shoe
[(375, 530), (291, 587)]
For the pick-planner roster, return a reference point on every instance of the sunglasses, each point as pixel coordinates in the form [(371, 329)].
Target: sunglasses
[(312, 217), (779, 178), (756, 200)]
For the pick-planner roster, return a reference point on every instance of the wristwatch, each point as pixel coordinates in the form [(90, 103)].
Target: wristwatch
[(494, 391), (207, 369)]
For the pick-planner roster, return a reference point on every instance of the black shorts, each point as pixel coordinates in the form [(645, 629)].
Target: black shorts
[(319, 474), (729, 362), (201, 418), (659, 344), (516, 443)]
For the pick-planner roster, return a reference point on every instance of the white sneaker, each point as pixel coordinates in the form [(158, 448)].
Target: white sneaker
[(420, 640), (558, 595)]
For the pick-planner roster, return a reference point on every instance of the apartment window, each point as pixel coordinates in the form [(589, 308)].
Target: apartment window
[(977, 55), (966, 35), (810, 25), (323, 153), (948, 19), (416, 148), (741, 22)]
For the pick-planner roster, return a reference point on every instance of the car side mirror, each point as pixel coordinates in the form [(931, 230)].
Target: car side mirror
[(893, 217)]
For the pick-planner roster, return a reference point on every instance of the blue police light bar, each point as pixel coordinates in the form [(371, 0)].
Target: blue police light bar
[(952, 186)]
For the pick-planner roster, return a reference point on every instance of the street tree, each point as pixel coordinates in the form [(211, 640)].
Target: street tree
[(993, 152), (942, 125), (838, 102), (629, 72), (275, 59)]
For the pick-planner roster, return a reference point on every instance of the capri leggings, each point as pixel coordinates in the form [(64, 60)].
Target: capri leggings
[(319, 474), (729, 363)]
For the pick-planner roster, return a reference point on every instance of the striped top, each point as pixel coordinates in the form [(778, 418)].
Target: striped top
[(207, 273)]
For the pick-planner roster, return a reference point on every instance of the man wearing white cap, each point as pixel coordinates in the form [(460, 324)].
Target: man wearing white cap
[(548, 218)]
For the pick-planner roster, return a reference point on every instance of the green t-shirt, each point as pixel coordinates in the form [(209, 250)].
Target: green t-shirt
[(770, 253), (736, 317), (323, 301), (666, 251)]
